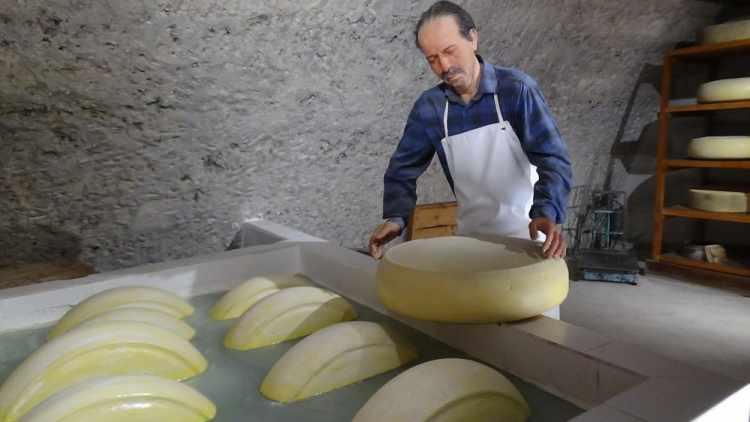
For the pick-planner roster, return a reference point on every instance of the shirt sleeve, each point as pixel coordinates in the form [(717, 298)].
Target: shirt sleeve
[(412, 156), (543, 144)]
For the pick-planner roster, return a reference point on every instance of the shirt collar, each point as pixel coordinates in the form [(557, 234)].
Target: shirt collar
[(487, 83)]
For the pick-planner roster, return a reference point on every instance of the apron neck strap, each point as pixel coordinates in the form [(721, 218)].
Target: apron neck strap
[(445, 115)]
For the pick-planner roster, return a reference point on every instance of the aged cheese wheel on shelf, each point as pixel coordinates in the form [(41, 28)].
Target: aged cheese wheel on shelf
[(726, 32), (125, 398), (467, 280), (734, 89), (335, 356), (719, 200), (720, 147), (287, 314), (447, 390)]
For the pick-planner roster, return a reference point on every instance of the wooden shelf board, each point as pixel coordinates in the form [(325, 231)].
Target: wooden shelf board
[(706, 107), (691, 263), (719, 164), (706, 215), (710, 50)]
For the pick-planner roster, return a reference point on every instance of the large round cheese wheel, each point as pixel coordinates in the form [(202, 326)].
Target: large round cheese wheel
[(725, 32), (734, 89), (462, 279), (720, 147), (719, 201)]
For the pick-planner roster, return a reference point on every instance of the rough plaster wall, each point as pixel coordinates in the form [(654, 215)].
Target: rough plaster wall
[(140, 131)]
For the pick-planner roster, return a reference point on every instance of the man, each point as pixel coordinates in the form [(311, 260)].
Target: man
[(494, 135)]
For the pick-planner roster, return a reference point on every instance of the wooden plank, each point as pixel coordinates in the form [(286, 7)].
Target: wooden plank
[(707, 215), (692, 263), (706, 107), (725, 281), (433, 215), (429, 232), (23, 274), (661, 156), (719, 164), (711, 50)]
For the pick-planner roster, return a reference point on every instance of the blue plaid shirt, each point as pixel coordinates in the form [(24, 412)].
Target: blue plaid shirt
[(522, 105)]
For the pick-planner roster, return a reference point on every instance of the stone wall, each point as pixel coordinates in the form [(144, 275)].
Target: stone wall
[(140, 131)]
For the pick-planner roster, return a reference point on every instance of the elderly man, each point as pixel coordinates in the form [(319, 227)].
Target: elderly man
[(494, 135)]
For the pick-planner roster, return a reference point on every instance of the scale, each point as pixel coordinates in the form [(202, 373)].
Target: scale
[(600, 250)]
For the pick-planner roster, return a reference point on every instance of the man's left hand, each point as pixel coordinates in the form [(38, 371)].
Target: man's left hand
[(554, 246)]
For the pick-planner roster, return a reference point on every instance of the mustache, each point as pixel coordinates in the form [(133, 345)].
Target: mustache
[(455, 70)]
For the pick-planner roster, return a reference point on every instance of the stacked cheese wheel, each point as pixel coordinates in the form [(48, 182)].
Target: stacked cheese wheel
[(727, 32)]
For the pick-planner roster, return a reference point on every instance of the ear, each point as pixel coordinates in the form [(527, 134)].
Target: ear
[(474, 35)]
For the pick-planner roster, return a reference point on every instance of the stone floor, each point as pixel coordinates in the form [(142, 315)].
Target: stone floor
[(697, 324)]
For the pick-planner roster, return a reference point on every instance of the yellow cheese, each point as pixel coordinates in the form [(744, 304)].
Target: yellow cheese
[(734, 89), (726, 32), (287, 314), (125, 398), (461, 279), (123, 297), (238, 300), (103, 349), (720, 147), (446, 390), (148, 316), (719, 201), (334, 357)]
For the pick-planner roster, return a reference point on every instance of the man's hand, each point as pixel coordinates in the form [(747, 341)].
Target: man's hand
[(382, 235), (554, 246)]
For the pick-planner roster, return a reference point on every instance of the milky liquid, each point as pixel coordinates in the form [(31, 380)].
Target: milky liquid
[(233, 378)]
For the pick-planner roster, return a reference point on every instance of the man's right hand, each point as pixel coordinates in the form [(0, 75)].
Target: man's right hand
[(382, 235)]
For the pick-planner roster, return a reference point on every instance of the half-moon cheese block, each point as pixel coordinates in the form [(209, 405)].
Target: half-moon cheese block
[(123, 297), (148, 316), (446, 390), (720, 147), (105, 349), (238, 300), (734, 89), (726, 32), (287, 314), (125, 398), (334, 357), (467, 280), (719, 201)]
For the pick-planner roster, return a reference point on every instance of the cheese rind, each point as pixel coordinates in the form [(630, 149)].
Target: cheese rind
[(147, 316), (726, 32), (336, 356), (719, 201), (720, 148), (123, 297), (466, 280), (287, 314), (734, 89), (239, 299), (103, 349), (446, 390), (125, 398)]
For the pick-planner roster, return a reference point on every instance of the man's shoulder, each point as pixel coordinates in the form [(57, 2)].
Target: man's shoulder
[(512, 79), (430, 101)]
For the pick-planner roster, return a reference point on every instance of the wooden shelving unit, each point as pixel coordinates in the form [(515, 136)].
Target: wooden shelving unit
[(665, 164)]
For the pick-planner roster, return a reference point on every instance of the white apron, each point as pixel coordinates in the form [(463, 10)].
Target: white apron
[(492, 178)]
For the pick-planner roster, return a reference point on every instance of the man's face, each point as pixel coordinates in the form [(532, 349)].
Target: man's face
[(450, 55)]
